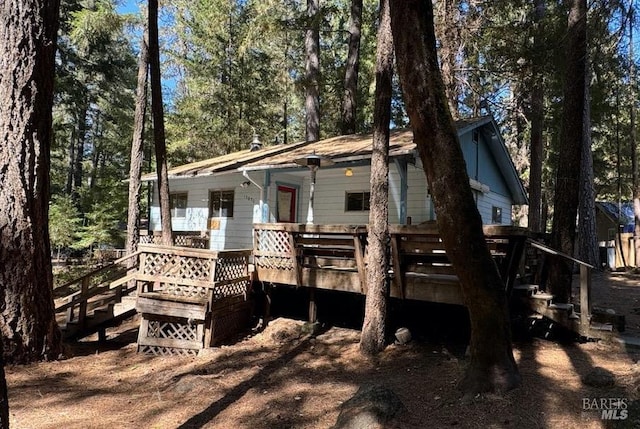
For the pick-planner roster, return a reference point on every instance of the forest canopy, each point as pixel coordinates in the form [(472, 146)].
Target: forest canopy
[(232, 69)]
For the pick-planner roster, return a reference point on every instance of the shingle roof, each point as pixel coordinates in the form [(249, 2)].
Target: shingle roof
[(340, 148)]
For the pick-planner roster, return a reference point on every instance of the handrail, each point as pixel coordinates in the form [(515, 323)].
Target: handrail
[(554, 252), (101, 269), (585, 283)]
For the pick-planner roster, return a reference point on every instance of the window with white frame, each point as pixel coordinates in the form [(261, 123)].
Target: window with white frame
[(178, 204), (221, 203)]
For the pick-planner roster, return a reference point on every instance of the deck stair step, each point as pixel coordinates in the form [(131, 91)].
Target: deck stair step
[(127, 304), (525, 289), (603, 327), (561, 307), (542, 296)]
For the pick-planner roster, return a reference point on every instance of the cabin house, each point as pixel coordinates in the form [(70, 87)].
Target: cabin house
[(221, 198), (614, 228)]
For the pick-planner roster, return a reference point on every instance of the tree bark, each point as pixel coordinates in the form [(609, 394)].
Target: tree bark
[(492, 366), (79, 149), (350, 97), (312, 68), (4, 394), (137, 151), (372, 339), (158, 125), (448, 33), (537, 122), (634, 143), (588, 236), (27, 42), (565, 206)]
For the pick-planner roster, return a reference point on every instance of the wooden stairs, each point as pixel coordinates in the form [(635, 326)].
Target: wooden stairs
[(579, 317), (104, 300), (537, 304)]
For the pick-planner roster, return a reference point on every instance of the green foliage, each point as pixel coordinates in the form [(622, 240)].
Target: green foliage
[(239, 70), (64, 222), (242, 67), (93, 116), (102, 229)]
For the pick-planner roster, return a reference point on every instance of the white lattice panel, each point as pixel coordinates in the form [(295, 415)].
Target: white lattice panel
[(277, 244), (273, 241)]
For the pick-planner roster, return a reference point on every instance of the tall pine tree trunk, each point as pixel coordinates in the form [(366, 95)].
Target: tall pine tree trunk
[(312, 68), (565, 205), (350, 96), (4, 393), (372, 339), (70, 161), (492, 366), (27, 42), (537, 123), (634, 142), (158, 125), (448, 33), (137, 150), (587, 233), (79, 149)]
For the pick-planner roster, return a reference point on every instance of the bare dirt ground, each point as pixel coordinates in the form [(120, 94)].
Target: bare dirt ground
[(282, 378)]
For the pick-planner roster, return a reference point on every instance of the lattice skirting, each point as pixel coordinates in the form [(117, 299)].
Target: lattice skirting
[(166, 351), (164, 335)]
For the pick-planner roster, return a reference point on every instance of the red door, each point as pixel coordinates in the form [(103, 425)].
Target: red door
[(286, 204)]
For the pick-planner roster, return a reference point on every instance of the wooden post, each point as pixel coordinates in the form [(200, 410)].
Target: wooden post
[(205, 330), (82, 311), (585, 298), (396, 264), (313, 306), (360, 262), (294, 253), (267, 304)]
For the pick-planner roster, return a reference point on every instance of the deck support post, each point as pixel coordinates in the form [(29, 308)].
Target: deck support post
[(585, 298), (313, 306)]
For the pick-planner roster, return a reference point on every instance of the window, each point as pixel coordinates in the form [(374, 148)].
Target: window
[(221, 204), (357, 201), (178, 204), (496, 215)]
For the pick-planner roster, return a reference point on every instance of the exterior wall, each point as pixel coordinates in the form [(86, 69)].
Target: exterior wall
[(485, 204), (224, 233), (484, 170), (419, 206), (332, 186)]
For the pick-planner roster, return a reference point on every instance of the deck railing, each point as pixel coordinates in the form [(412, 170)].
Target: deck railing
[(334, 257), (192, 239), (95, 289)]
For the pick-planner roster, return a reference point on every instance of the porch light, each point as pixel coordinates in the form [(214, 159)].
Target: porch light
[(314, 162), (348, 172)]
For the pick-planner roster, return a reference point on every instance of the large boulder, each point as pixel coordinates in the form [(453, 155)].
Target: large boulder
[(372, 407)]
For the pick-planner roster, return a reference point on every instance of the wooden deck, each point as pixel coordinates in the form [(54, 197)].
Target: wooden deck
[(191, 299), (333, 257)]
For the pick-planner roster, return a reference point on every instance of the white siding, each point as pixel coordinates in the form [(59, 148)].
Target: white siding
[(234, 232), (329, 206), (419, 206)]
